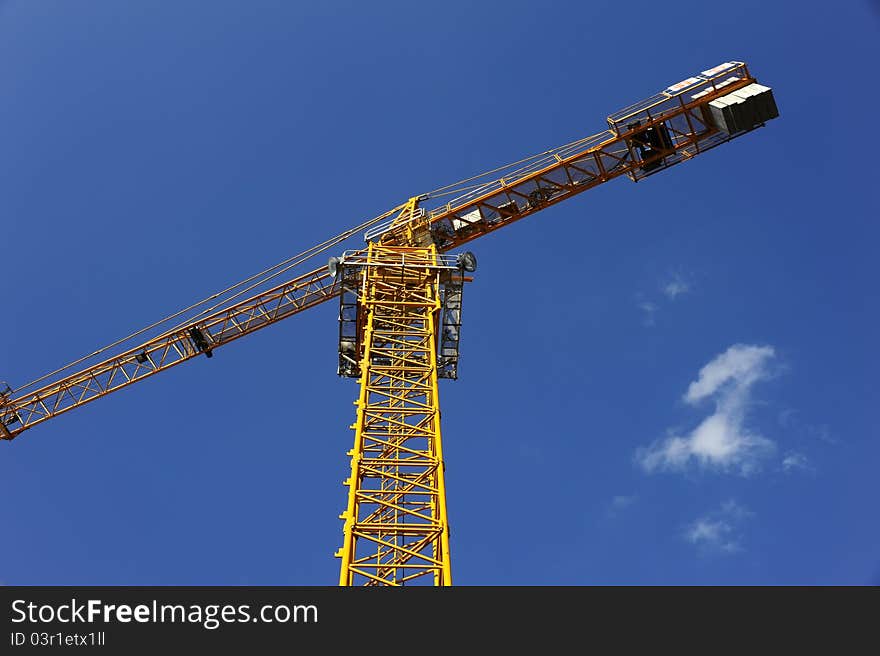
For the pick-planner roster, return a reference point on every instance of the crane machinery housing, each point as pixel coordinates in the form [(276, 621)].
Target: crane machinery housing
[(400, 315)]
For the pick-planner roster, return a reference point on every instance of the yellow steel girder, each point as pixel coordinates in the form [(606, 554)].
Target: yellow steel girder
[(396, 529)]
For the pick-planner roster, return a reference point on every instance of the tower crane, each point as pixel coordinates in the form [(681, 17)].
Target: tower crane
[(400, 313)]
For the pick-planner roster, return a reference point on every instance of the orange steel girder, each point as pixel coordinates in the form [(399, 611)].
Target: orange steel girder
[(572, 169), (556, 176), (163, 352)]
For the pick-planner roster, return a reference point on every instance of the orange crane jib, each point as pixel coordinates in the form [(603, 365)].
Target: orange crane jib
[(674, 125)]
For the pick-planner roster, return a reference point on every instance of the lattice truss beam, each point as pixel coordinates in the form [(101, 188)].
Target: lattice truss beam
[(18, 413), (395, 529), (673, 126)]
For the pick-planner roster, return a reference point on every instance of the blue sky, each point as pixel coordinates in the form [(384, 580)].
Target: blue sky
[(664, 382)]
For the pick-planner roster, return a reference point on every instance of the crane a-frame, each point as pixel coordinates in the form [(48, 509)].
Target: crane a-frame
[(400, 315)]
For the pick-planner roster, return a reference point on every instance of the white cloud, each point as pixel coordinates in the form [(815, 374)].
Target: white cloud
[(672, 287), (735, 511), (675, 287), (649, 309), (823, 433), (714, 533), (722, 440), (795, 461), (741, 364), (719, 531)]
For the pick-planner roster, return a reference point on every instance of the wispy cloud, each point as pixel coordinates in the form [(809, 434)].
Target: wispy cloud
[(677, 285), (790, 419), (672, 287), (623, 501), (719, 531), (714, 533), (796, 462), (735, 511), (649, 310), (722, 440)]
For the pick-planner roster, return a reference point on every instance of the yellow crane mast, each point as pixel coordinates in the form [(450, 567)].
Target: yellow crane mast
[(400, 315), (396, 528)]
